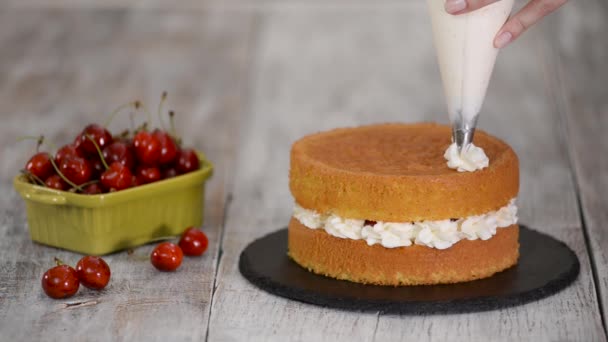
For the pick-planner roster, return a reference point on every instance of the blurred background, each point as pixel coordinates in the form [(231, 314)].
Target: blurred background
[(246, 78)]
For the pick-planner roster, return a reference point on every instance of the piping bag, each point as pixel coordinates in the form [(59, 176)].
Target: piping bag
[(466, 54)]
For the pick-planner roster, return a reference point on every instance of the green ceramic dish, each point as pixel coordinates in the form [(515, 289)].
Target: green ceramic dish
[(102, 224)]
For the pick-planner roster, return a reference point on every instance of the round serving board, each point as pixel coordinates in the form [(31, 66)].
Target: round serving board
[(545, 267)]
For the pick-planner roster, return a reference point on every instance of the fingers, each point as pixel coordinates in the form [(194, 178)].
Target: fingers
[(464, 6), (522, 20)]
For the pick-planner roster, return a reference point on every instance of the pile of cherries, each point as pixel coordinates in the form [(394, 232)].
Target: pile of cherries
[(63, 281), (99, 162)]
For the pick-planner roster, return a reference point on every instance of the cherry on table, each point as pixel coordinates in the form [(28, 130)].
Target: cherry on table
[(93, 272), (187, 161), (120, 151), (56, 182), (60, 282), (193, 242), (117, 177), (147, 147), (76, 169), (40, 165), (99, 134), (166, 256)]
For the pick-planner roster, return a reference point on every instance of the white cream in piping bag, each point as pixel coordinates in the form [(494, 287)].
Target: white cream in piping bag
[(466, 56), (435, 234)]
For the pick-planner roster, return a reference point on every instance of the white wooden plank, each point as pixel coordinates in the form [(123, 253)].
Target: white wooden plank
[(59, 71), (321, 69), (581, 51)]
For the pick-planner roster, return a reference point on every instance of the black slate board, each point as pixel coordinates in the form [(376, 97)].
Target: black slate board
[(545, 267)]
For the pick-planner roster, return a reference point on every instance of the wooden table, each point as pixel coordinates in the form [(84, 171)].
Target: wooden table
[(247, 78)]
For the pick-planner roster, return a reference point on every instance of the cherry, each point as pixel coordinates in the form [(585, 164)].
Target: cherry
[(193, 242), (117, 177), (168, 147), (93, 189), (96, 166), (76, 169), (169, 172), (99, 134), (187, 161), (369, 223), (60, 282), (147, 174), (56, 182), (147, 147), (93, 272), (167, 256), (40, 165), (120, 151), (66, 151)]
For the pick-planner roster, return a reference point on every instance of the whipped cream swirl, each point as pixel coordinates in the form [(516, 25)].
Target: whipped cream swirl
[(440, 234), (471, 158)]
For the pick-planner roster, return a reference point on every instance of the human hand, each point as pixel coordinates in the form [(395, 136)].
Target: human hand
[(516, 24)]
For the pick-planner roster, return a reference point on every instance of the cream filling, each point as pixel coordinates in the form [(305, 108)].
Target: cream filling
[(435, 234)]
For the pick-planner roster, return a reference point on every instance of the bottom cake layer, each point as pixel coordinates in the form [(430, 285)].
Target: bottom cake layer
[(356, 261)]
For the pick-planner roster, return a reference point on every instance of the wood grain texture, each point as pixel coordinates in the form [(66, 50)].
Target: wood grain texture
[(197, 5), (582, 42), (60, 70), (319, 69)]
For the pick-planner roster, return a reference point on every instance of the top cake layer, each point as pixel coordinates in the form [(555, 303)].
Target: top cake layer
[(397, 173)]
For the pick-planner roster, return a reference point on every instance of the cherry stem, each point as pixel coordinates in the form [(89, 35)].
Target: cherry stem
[(172, 121), (33, 177), (39, 141), (118, 110), (95, 181), (65, 179), (138, 105), (163, 99), (103, 160), (84, 185), (59, 262), (132, 120), (124, 134)]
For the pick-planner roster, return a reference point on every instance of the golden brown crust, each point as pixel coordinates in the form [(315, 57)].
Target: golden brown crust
[(355, 261), (397, 173)]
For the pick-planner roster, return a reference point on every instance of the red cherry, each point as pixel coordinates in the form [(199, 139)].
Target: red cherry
[(147, 174), (97, 167), (66, 151), (167, 256), (93, 272), (193, 242), (60, 282), (120, 151), (147, 147), (40, 165), (169, 172), (187, 161), (117, 177), (168, 147), (99, 134), (56, 182), (76, 169), (93, 189)]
